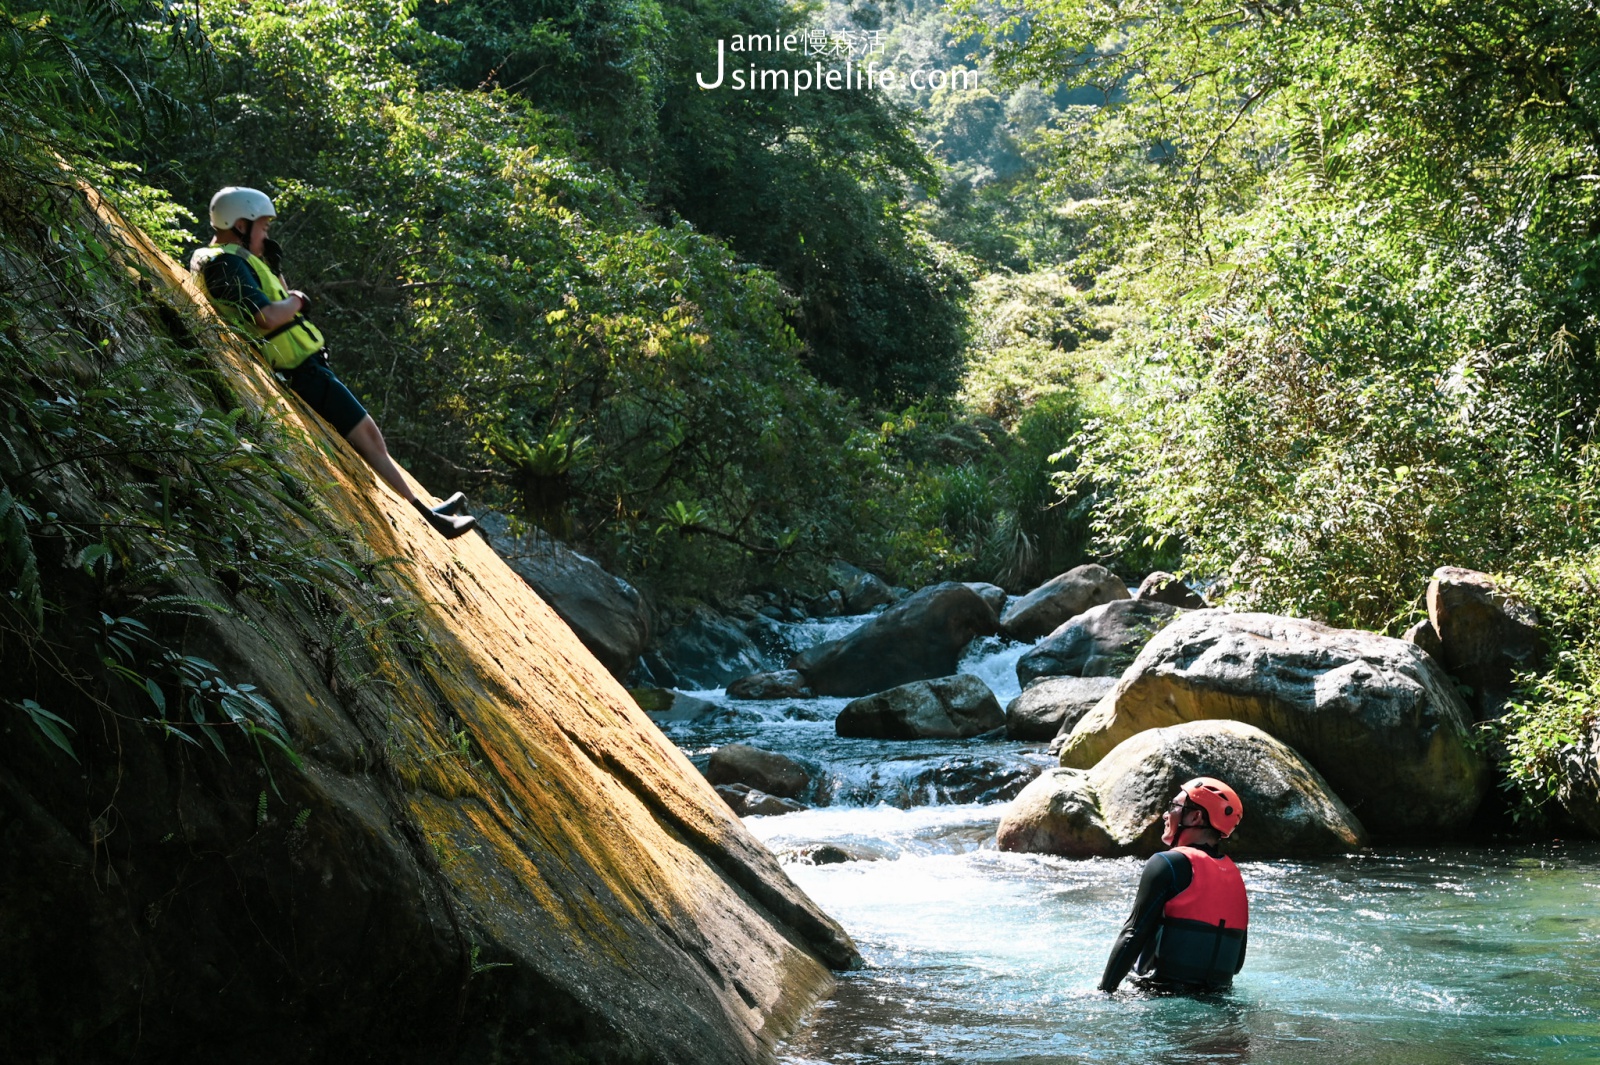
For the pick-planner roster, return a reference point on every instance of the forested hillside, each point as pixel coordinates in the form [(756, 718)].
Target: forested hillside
[(1297, 300)]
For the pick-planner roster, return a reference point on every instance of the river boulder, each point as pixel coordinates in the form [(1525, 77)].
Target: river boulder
[(1378, 718), (782, 684), (707, 650), (954, 707), (1100, 642), (1162, 587), (1045, 608), (1054, 705), (992, 594), (604, 611), (753, 802), (1484, 635), (773, 773), (918, 638), (859, 590), (1117, 807)]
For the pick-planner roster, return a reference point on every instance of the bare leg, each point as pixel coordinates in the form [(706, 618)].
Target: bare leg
[(368, 441)]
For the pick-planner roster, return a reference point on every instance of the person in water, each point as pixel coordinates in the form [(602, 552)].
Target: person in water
[(240, 272), (1190, 919)]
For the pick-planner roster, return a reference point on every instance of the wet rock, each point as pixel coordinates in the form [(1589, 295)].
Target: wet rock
[(1377, 717), (783, 684), (992, 594), (1059, 599), (752, 802), (830, 854), (1100, 642), (605, 612), (1484, 635), (954, 707), (1117, 807), (665, 706), (830, 605), (918, 638), (1053, 705), (861, 591), (773, 773), (1059, 813), (961, 780), (708, 650), (1161, 587)]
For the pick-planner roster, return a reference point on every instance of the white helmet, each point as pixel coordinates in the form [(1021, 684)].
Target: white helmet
[(233, 203)]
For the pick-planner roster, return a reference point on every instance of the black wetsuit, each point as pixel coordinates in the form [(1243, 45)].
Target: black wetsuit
[(229, 279), (1165, 875)]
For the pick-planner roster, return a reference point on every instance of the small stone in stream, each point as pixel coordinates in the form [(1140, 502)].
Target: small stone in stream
[(773, 773), (954, 707), (963, 780), (781, 684), (749, 802), (919, 638), (831, 854), (1053, 705), (665, 706)]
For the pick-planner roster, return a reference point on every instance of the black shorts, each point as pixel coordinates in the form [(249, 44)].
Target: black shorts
[(313, 382)]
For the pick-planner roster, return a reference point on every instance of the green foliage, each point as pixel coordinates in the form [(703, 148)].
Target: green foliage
[(1353, 251)]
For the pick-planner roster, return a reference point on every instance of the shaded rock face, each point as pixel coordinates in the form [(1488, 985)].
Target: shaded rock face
[(474, 789), (1423, 636), (1060, 599), (919, 638), (708, 650), (607, 613), (948, 708), (783, 684), (1100, 642), (1378, 718), (992, 594), (859, 590), (1483, 635), (1053, 706), (1161, 587), (773, 773), (1118, 806)]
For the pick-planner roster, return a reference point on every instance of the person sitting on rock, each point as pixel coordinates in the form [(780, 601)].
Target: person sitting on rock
[(240, 272), (1190, 919)]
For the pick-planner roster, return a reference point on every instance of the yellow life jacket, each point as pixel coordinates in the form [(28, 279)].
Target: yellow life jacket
[(285, 347)]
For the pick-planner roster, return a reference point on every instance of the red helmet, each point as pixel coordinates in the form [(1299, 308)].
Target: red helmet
[(1220, 803)]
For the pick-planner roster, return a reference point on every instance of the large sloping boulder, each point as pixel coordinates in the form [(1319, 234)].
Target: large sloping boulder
[(919, 638), (1100, 642), (604, 611), (1055, 601), (947, 708), (1056, 703), (1117, 807), (1483, 635), (1377, 717), (707, 650)]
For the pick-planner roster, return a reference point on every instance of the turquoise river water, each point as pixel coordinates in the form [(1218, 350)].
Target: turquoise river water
[(1443, 955)]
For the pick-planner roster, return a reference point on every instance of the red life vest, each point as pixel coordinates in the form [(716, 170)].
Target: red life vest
[(1203, 926)]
